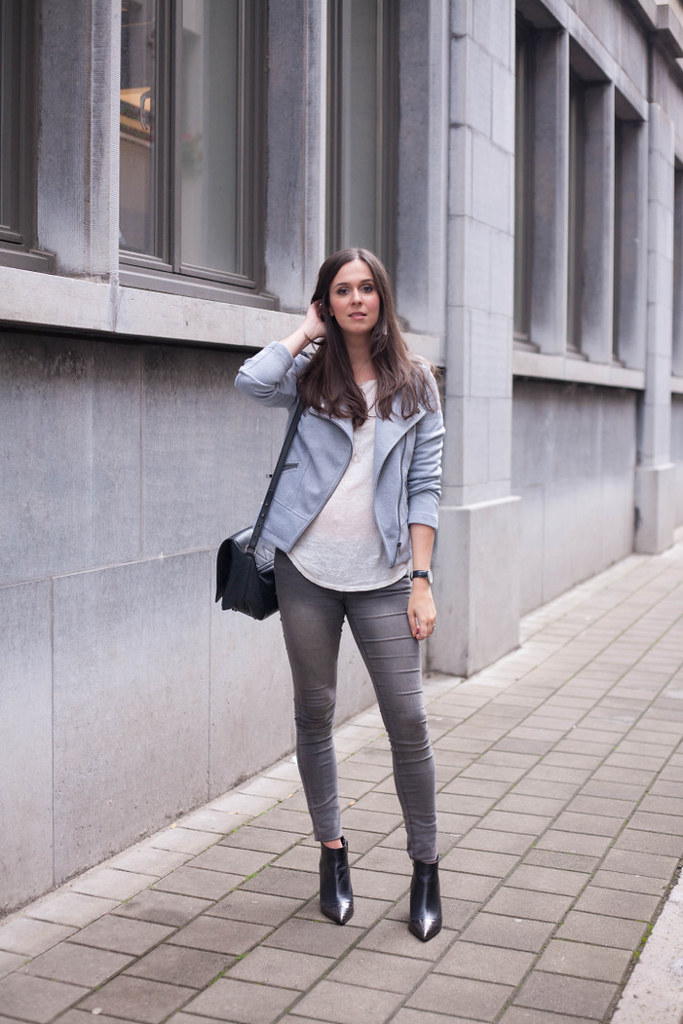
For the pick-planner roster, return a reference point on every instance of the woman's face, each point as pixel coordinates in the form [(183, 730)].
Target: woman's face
[(354, 299)]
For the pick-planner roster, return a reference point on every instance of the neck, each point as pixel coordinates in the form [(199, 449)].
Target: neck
[(361, 361)]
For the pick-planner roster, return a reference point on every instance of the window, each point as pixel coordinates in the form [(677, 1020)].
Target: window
[(577, 169), (363, 119), (677, 360), (17, 136), (524, 184), (191, 197), (629, 230)]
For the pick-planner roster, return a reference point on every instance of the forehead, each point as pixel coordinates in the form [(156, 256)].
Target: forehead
[(353, 272)]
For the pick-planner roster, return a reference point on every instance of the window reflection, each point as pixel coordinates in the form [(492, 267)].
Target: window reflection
[(137, 121), (210, 187)]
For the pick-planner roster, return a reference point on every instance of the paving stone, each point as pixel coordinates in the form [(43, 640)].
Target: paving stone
[(641, 863), (70, 908), (458, 803), (220, 936), (240, 1001), (617, 932), (208, 820), (184, 840), (582, 960), (506, 821), (280, 820), (264, 839), (635, 905), (111, 883), (138, 999), (563, 861), (10, 962), (474, 888), (380, 970), (231, 859), (163, 907), (574, 842), (590, 824), (540, 906), (648, 842), (78, 965), (281, 967), (497, 842), (629, 883), (486, 963), (478, 862), (510, 932), (557, 991), (259, 908), (476, 999), (122, 935), (379, 885), (30, 937), (347, 1004), (534, 805), (304, 858), (77, 1016), (242, 803), (210, 885), (321, 938), (283, 882), (527, 876), (36, 999), (522, 1015), (179, 965), (149, 860)]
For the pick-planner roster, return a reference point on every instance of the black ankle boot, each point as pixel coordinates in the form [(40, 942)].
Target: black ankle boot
[(336, 896), (425, 901)]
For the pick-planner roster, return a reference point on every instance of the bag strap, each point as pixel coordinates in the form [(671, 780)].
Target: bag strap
[(286, 445)]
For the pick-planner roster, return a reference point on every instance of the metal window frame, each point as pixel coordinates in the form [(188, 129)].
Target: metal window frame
[(18, 120), (167, 271), (576, 211), (386, 168)]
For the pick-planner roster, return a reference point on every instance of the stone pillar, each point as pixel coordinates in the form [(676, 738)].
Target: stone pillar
[(477, 576), (655, 474), (78, 155), (598, 225)]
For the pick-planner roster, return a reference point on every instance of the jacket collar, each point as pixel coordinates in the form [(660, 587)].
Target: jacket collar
[(387, 432)]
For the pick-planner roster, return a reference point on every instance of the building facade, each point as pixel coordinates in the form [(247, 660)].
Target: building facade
[(172, 173)]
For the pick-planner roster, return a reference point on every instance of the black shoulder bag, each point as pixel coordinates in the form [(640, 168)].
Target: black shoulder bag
[(244, 582)]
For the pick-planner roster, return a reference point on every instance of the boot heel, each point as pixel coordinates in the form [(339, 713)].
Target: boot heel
[(336, 895), (425, 901)]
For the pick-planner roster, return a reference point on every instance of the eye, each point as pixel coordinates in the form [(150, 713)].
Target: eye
[(342, 290), (368, 288)]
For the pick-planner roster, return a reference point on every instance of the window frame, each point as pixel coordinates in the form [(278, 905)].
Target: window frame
[(576, 185), (386, 167), (167, 271), (524, 185), (18, 149)]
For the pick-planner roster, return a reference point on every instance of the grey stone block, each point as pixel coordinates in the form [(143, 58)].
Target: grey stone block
[(70, 452), (131, 651), (25, 744)]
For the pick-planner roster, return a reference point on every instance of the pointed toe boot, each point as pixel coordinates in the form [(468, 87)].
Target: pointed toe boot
[(336, 896), (425, 901)]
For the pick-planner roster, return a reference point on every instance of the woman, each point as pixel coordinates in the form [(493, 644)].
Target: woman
[(357, 498)]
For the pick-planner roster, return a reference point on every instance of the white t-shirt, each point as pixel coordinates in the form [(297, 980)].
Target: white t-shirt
[(342, 549)]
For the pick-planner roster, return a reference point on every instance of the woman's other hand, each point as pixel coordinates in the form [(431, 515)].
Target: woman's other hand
[(421, 610)]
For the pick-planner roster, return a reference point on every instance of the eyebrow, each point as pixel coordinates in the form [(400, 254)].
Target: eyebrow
[(366, 280)]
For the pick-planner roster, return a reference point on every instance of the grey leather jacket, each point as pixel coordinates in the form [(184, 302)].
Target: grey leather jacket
[(407, 460)]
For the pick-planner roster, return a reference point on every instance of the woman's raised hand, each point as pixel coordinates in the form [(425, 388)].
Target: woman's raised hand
[(314, 325)]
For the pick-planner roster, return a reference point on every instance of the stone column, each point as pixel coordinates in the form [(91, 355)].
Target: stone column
[(477, 577), (78, 156), (655, 474)]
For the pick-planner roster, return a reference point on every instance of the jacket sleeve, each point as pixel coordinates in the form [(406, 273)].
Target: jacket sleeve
[(270, 376), (424, 472)]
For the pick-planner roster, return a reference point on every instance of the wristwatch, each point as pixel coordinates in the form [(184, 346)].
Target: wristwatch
[(422, 574)]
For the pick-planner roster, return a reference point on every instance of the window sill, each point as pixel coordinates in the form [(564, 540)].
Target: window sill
[(676, 385), (192, 287), (577, 371), (22, 259)]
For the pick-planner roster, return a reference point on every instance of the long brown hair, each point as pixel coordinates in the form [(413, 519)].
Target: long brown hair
[(327, 383)]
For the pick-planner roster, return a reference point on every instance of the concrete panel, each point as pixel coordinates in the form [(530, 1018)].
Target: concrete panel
[(655, 510), (131, 703), (206, 450), (252, 717), (617, 518), (25, 744), (70, 453), (477, 590), (531, 547)]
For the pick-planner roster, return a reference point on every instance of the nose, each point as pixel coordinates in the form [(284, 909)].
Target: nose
[(355, 297)]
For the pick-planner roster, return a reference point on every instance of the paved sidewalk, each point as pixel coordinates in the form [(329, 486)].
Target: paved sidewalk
[(561, 816)]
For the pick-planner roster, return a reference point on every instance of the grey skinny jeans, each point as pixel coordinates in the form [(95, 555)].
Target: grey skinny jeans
[(312, 619)]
